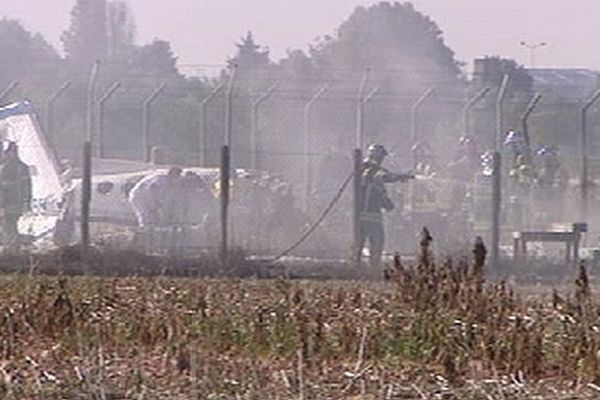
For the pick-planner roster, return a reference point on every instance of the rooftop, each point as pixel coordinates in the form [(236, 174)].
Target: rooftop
[(573, 83)]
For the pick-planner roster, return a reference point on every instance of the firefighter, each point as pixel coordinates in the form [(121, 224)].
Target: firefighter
[(470, 150), (549, 166), (15, 192), (196, 201), (553, 181), (462, 170), (424, 156), (372, 199), (514, 140), (522, 172), (152, 197)]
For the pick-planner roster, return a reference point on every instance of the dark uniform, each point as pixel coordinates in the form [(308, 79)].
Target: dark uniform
[(550, 166), (15, 192), (373, 198)]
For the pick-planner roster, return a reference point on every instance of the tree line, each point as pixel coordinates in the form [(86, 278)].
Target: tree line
[(403, 49)]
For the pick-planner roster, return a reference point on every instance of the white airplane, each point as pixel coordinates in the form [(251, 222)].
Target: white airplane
[(19, 124), (260, 205), (56, 193)]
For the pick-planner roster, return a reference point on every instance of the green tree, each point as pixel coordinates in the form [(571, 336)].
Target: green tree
[(23, 53), (297, 65), (406, 55), (255, 71), (250, 54), (388, 36), (493, 71), (121, 31), (157, 59), (86, 40)]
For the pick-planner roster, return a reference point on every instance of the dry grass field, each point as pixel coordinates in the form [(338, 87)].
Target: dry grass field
[(432, 331)]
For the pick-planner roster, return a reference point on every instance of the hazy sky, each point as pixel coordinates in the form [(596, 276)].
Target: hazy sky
[(203, 31)]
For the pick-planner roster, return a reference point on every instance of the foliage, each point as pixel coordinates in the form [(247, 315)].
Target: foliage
[(157, 59), (388, 36), (86, 40), (403, 48), (298, 66), (121, 30), (22, 52), (249, 54), (496, 68), (405, 54), (105, 30)]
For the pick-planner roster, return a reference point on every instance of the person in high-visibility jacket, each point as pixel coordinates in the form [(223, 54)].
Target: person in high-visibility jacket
[(522, 172), (373, 198), (550, 165), (151, 197)]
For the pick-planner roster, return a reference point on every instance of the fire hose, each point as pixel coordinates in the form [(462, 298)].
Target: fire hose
[(319, 220)]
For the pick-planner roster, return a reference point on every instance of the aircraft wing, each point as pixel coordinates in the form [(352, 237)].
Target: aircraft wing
[(18, 123)]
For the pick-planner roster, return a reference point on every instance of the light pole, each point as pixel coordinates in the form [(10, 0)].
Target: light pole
[(532, 48)]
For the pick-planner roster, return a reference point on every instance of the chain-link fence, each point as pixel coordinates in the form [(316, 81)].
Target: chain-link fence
[(291, 151)]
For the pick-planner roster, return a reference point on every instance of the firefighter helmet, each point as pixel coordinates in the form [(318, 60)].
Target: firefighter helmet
[(376, 152)]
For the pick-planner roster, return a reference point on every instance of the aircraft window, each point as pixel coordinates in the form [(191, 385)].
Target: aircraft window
[(105, 187)]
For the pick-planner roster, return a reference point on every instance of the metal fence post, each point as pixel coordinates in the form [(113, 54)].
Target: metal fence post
[(86, 180), (224, 192), (255, 136), (49, 107), (146, 120), (9, 89), (497, 142), (91, 98), (414, 119), (229, 107), (356, 245), (584, 154), (360, 110), (101, 102), (307, 146), (203, 145), (525, 117), (496, 206), (86, 194), (469, 106), (225, 173), (363, 102)]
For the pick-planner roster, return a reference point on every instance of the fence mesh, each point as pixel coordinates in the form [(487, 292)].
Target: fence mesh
[(291, 151)]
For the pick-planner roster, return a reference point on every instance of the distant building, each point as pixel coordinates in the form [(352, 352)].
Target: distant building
[(556, 120), (564, 91), (565, 83)]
